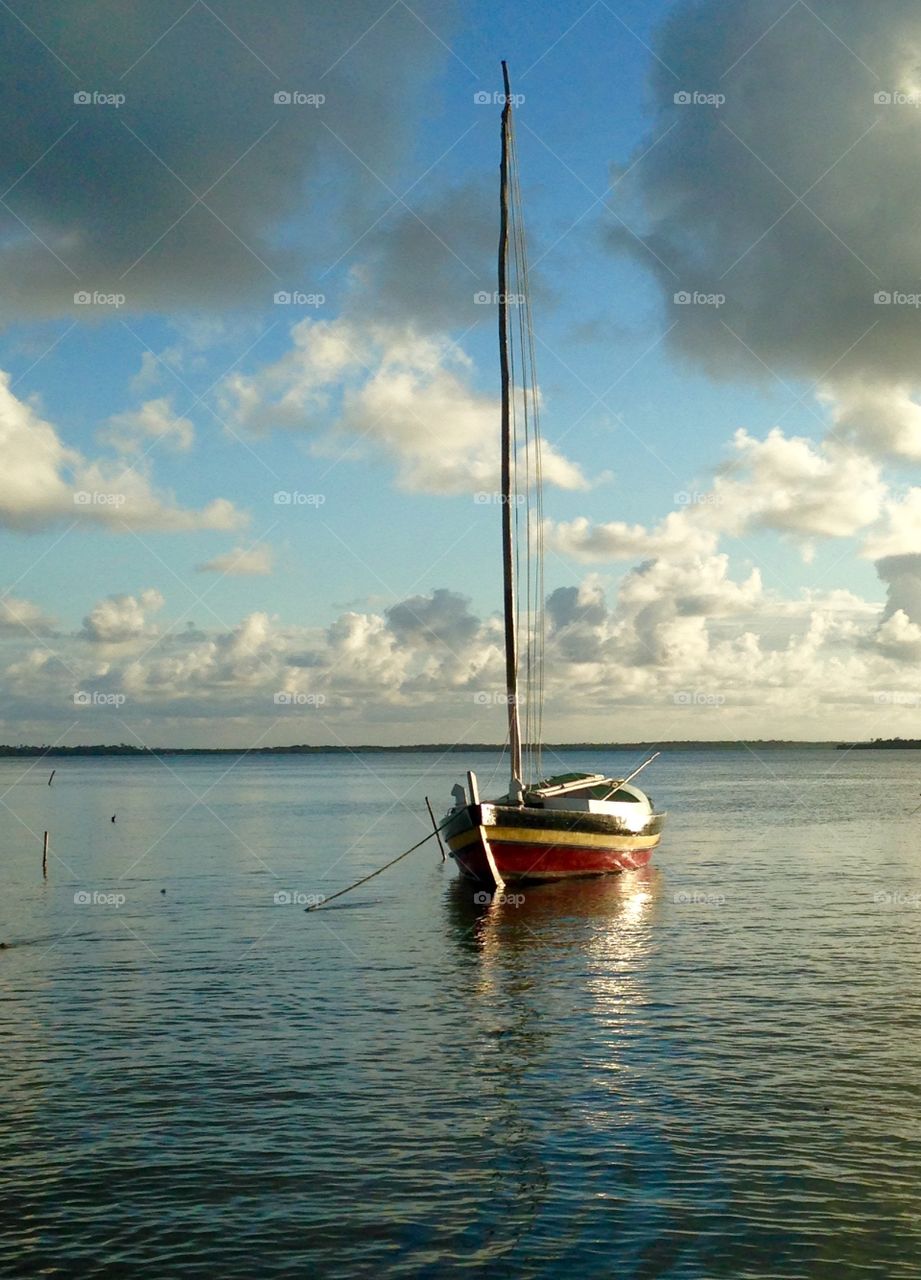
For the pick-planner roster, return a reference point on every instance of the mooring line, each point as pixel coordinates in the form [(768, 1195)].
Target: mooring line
[(317, 906)]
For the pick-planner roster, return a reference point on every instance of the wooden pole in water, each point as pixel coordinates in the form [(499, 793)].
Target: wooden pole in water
[(45, 857)]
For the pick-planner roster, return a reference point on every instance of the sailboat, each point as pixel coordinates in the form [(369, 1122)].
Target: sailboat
[(574, 824)]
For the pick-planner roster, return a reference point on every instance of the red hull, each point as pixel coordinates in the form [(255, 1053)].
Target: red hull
[(546, 862)]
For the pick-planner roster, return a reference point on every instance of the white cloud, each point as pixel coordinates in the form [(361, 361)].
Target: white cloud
[(43, 482), (120, 619), (783, 483), (682, 650), (241, 562), (789, 484), (368, 386), (679, 533), (23, 615), (898, 533), (134, 430)]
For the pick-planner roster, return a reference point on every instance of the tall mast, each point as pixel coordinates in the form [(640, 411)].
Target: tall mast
[(508, 564)]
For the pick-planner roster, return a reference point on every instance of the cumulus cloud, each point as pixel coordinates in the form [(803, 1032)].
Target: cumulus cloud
[(898, 531), (789, 484), (677, 651), (18, 615), (442, 618), (677, 534), (119, 619), (135, 430), (241, 562), (902, 575), (43, 482), (784, 483), (412, 398), (178, 194)]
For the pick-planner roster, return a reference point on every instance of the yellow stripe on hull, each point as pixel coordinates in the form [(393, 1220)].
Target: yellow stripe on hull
[(559, 839)]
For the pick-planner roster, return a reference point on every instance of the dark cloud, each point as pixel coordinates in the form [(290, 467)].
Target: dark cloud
[(432, 264), (797, 199), (444, 617), (112, 191), (902, 576)]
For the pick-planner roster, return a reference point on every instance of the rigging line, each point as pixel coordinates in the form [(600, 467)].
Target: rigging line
[(525, 444), (536, 628), (525, 617)]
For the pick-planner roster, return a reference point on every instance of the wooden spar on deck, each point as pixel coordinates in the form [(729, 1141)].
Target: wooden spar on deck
[(508, 565)]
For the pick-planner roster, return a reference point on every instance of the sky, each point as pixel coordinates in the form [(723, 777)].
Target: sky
[(249, 400)]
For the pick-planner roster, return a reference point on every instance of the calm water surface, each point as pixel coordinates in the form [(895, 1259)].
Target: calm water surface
[(709, 1069)]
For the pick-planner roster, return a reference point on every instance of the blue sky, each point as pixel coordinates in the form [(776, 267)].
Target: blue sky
[(381, 199)]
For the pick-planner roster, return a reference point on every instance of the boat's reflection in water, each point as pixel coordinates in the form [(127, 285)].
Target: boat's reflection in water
[(555, 984), (560, 914), (581, 944)]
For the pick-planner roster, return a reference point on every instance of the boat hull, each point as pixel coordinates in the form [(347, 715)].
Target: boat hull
[(543, 844)]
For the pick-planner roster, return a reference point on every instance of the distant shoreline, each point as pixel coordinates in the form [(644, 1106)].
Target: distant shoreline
[(444, 748)]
